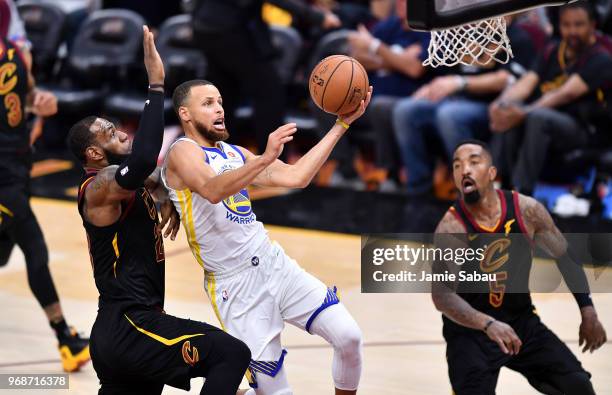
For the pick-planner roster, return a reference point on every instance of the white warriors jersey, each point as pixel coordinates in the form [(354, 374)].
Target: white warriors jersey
[(225, 235)]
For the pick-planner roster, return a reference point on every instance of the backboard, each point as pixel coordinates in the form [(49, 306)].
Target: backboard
[(442, 14)]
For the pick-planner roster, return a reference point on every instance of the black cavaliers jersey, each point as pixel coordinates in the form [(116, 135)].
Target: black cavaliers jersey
[(507, 253), (128, 256), (14, 136)]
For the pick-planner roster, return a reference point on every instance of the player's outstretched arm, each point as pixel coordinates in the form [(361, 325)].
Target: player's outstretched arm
[(187, 163), (115, 183), (456, 308), (548, 237), (300, 174)]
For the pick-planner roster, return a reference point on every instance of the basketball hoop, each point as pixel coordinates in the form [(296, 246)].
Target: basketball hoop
[(477, 43)]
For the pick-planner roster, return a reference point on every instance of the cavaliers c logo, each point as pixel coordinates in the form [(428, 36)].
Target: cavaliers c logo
[(495, 257), (190, 354)]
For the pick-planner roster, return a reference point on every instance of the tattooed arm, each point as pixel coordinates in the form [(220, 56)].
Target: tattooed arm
[(455, 307), (548, 237), (103, 198)]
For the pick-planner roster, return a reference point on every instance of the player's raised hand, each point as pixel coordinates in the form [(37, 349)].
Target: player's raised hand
[(152, 60), (505, 337), (353, 116), (277, 141), (592, 332)]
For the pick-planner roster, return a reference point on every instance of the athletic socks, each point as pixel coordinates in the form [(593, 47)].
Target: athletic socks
[(61, 329)]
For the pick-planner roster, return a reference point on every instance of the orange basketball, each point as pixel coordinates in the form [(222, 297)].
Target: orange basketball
[(338, 84)]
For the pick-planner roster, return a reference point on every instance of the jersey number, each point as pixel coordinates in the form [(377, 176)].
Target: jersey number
[(159, 241), (12, 103)]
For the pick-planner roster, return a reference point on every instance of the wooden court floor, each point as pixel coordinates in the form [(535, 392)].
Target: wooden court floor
[(403, 351)]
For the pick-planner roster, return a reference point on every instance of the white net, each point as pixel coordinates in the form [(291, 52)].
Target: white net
[(477, 43)]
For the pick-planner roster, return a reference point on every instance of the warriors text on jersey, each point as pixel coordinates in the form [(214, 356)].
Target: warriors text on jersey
[(225, 235), (127, 256)]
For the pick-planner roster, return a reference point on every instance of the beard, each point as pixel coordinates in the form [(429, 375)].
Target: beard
[(115, 159), (211, 135), (471, 197)]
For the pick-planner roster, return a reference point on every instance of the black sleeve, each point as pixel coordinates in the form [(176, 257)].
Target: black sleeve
[(595, 71), (575, 278), (300, 10), (132, 173)]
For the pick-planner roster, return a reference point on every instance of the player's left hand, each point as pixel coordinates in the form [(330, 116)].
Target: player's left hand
[(592, 332), (171, 218), (44, 103), (353, 116)]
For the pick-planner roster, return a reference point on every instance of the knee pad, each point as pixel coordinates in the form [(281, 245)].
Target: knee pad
[(337, 326)]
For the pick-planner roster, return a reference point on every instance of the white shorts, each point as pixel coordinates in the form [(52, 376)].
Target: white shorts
[(254, 303)]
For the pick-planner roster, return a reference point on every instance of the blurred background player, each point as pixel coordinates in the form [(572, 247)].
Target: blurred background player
[(136, 347), (253, 285), (18, 225), (486, 331)]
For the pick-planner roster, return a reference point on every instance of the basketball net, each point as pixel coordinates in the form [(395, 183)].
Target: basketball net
[(477, 43)]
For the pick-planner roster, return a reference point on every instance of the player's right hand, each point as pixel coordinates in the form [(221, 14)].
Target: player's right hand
[(152, 60), (505, 337), (277, 140)]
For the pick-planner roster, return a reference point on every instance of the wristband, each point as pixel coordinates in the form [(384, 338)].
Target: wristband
[(156, 86), (345, 125), (462, 82), (488, 325)]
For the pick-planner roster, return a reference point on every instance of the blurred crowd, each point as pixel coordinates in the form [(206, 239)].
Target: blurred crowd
[(545, 113)]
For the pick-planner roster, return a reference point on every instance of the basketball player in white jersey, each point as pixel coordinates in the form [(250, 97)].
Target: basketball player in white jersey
[(253, 285)]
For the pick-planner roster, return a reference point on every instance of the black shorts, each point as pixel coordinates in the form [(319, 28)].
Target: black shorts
[(14, 205), (14, 190), (474, 360), (15, 168), (138, 351)]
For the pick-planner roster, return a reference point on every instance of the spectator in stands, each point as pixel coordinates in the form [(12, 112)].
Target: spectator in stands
[(350, 13), (393, 55), (76, 12), (571, 78), (240, 55), (11, 25), (452, 108)]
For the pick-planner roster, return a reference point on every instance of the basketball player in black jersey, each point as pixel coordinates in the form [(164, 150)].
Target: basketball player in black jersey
[(486, 331), (18, 225), (137, 348)]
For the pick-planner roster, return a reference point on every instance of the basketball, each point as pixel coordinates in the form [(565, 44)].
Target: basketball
[(338, 84)]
